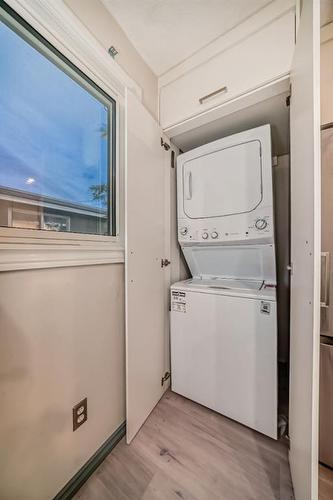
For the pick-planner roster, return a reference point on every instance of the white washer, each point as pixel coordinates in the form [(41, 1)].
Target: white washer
[(224, 348)]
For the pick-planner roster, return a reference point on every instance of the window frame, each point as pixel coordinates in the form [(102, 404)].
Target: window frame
[(63, 34)]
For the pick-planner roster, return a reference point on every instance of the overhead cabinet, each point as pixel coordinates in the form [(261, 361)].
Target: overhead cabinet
[(256, 59)]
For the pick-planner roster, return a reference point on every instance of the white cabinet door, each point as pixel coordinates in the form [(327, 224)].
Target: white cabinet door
[(147, 283), (305, 255), (252, 62)]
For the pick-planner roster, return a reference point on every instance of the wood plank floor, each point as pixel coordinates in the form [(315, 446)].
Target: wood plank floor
[(185, 451), (325, 483)]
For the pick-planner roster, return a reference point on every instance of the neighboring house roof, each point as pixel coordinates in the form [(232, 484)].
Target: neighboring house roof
[(49, 202)]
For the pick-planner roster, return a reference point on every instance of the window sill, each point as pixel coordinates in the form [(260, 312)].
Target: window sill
[(40, 251)]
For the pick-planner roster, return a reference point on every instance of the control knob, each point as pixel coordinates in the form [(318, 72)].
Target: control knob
[(183, 231), (205, 236), (214, 235), (261, 224)]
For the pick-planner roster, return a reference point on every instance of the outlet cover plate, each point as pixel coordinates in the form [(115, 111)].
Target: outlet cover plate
[(80, 414)]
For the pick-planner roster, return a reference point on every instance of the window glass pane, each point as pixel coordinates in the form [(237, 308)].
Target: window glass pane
[(55, 142)]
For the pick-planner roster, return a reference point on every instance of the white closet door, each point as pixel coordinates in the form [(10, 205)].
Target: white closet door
[(305, 255), (147, 283)]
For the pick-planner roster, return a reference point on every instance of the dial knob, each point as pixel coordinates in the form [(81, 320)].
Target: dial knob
[(261, 224), (205, 236), (183, 231), (214, 235)]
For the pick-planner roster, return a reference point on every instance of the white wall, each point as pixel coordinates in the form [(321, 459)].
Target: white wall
[(107, 31), (62, 339)]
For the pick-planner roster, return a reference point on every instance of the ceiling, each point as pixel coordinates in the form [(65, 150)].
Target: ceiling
[(326, 12), (165, 32)]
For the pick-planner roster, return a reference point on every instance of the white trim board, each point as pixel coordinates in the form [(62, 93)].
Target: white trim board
[(14, 258), (29, 249)]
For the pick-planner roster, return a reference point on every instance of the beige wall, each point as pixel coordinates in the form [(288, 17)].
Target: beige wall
[(61, 338), (326, 74), (104, 27)]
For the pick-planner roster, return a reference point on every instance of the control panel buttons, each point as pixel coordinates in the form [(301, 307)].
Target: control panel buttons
[(183, 231), (261, 224), (205, 236), (214, 235)]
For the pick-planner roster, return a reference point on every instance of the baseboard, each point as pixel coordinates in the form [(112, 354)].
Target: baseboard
[(74, 484)]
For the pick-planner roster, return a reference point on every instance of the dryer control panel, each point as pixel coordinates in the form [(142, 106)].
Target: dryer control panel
[(256, 227)]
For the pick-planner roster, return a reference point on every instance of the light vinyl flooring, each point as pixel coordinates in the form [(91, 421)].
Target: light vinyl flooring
[(325, 483), (186, 451)]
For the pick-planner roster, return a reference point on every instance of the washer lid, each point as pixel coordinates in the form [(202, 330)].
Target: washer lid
[(227, 284), (224, 182), (242, 262)]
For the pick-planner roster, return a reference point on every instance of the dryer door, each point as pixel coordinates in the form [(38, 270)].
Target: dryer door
[(224, 182)]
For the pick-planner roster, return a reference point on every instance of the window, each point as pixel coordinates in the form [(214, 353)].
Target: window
[(57, 139)]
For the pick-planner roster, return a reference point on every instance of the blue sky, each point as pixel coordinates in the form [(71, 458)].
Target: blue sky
[(50, 127)]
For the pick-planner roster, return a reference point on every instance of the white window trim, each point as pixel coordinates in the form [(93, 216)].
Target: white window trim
[(33, 249)]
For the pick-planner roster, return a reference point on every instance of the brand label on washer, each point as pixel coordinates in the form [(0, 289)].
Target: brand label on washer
[(178, 302), (265, 307)]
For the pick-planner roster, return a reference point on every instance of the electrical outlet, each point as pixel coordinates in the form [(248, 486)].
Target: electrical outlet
[(80, 414)]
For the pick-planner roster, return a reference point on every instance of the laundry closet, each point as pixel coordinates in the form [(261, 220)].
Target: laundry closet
[(268, 101), (224, 319)]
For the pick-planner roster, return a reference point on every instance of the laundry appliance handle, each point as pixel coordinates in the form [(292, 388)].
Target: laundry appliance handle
[(325, 279), (188, 185)]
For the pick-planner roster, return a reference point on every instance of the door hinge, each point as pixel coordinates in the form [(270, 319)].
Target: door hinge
[(165, 262), (165, 145), (165, 377), (173, 157), (290, 268), (288, 98)]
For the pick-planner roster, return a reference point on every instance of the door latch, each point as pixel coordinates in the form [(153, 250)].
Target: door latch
[(165, 262), (290, 268)]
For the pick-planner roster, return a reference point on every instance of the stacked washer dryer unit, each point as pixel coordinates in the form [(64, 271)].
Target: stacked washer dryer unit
[(223, 319)]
